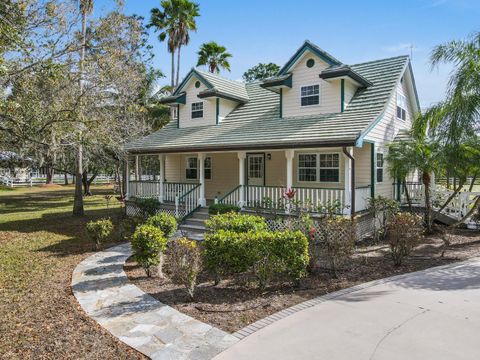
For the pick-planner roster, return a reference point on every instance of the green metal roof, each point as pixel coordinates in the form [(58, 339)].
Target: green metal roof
[(256, 124)]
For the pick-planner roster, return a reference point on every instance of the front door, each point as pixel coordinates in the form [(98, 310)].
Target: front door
[(256, 169)]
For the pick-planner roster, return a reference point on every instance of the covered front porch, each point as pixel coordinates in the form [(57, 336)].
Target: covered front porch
[(318, 177)]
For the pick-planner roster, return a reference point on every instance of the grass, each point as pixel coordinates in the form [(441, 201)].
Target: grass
[(40, 245)]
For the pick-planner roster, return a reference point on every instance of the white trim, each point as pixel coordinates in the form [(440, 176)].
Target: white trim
[(187, 167), (318, 167), (379, 152), (319, 95), (192, 111)]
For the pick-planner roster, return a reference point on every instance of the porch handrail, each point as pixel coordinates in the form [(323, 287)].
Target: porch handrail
[(189, 200), (232, 197)]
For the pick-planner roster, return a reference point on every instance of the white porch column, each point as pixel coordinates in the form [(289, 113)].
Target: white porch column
[(137, 168), (127, 179), (289, 156), (161, 159), (202, 201), (348, 183), (241, 176)]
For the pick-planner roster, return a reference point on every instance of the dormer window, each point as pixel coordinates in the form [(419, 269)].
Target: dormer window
[(401, 107), (310, 95), (197, 110)]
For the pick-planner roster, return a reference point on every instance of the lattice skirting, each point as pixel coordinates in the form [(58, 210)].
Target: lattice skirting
[(132, 209)]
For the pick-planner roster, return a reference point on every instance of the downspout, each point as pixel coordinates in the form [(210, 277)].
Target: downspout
[(352, 176)]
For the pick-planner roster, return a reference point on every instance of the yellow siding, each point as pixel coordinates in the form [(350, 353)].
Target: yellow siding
[(209, 105), (362, 165), (303, 76), (275, 169), (172, 168)]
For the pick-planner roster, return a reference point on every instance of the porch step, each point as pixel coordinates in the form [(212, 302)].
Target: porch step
[(195, 224), (193, 228)]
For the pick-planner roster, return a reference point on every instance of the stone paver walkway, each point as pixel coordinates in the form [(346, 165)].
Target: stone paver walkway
[(155, 329)]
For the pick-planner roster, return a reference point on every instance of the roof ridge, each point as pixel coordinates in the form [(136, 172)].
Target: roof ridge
[(379, 60), (208, 73)]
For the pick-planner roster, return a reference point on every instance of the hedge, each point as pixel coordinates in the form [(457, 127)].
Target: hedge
[(235, 222)]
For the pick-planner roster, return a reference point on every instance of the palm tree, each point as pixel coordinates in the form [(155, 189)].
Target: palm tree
[(214, 56), (399, 166), (86, 8), (187, 12), (420, 154), (174, 21), (459, 114)]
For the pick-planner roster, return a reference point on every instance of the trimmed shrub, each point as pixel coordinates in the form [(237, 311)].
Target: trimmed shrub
[(148, 206), (216, 209), (148, 244), (99, 231), (336, 241), (264, 253), (165, 222), (405, 231), (236, 222), (277, 252), (185, 264)]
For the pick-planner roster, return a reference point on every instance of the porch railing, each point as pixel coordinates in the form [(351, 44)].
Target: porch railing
[(457, 208), (187, 203), (362, 194), (173, 189), (143, 188), (273, 197)]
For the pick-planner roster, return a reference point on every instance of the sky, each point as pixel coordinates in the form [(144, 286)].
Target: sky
[(352, 31)]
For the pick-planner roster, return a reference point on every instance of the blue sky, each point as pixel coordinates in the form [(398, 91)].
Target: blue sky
[(353, 31)]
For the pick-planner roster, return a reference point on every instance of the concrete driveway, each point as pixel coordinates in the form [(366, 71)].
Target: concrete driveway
[(432, 314)]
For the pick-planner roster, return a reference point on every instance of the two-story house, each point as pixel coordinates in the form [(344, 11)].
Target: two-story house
[(319, 127)]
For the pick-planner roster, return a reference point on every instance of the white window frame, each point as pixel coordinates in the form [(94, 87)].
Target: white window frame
[(298, 168), (379, 167), (187, 163), (402, 104), (301, 97), (317, 181), (192, 110), (187, 167)]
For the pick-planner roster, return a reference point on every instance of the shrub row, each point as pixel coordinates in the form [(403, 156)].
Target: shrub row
[(239, 223), (264, 253), (216, 209)]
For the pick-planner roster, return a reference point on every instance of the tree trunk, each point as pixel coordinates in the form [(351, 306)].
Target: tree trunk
[(65, 178), (473, 182), (407, 194), (50, 172), (78, 200), (178, 65), (428, 205), (86, 182), (173, 70)]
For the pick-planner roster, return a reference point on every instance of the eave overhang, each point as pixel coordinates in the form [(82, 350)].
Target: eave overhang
[(216, 93), (275, 83), (174, 99), (344, 72)]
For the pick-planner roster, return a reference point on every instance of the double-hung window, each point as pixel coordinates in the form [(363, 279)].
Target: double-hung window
[(191, 169), (310, 95), (401, 107), (380, 162), (197, 110), (319, 167), (329, 167), (307, 167)]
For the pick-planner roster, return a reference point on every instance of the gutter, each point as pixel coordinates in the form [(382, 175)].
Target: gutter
[(277, 146), (352, 175)]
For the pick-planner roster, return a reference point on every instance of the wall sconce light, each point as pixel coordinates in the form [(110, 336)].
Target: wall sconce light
[(269, 156)]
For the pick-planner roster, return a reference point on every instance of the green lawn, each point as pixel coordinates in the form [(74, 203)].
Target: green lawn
[(40, 245)]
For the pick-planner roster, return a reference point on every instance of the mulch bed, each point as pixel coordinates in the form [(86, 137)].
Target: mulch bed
[(235, 302)]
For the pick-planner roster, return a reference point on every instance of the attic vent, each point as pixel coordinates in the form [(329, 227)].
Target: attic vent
[(310, 63), (197, 84)]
